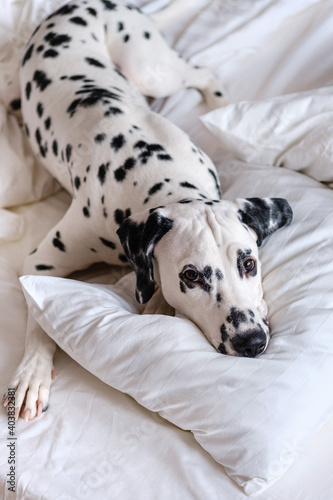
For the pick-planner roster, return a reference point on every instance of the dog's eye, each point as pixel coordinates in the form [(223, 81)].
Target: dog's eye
[(249, 265), (191, 275)]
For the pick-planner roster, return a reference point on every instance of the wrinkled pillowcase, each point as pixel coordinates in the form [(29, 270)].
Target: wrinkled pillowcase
[(294, 131)]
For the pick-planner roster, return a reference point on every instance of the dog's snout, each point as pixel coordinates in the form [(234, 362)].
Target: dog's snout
[(250, 343)]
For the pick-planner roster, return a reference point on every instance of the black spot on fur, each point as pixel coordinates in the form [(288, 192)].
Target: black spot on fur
[(43, 267), (60, 39), (76, 77), (28, 54), (73, 107), (116, 70), (47, 123), (28, 90), (86, 212), (91, 96), (42, 147), (146, 34), (68, 152), (120, 173), (113, 111), (58, 243), (102, 170), (15, 104), (99, 138), (55, 147), (118, 142), (63, 11), (41, 80), (108, 243), (91, 11), (151, 210), (236, 317), (147, 150), (50, 53), (120, 26), (187, 185), (217, 184), (122, 257), (208, 272), (40, 109), (222, 349), (218, 274), (27, 131), (140, 144), (218, 298), (218, 93), (224, 334), (121, 215), (155, 188), (109, 5), (77, 182), (94, 62), (164, 157), (126, 38), (182, 287), (78, 20)]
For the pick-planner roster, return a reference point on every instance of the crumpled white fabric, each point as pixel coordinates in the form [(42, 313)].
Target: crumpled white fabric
[(294, 131), (22, 178), (11, 225)]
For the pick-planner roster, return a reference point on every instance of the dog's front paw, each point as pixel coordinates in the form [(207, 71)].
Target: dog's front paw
[(29, 389)]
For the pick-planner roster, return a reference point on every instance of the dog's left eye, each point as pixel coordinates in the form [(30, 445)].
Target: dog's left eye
[(191, 275), (249, 265)]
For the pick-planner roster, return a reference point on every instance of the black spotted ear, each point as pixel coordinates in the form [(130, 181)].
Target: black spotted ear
[(138, 240), (265, 215)]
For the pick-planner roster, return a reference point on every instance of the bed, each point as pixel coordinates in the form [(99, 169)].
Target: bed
[(142, 406)]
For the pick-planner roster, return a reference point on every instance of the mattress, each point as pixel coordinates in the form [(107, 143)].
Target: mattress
[(107, 437)]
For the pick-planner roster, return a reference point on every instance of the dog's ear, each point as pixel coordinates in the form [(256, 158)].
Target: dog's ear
[(138, 240), (264, 215)]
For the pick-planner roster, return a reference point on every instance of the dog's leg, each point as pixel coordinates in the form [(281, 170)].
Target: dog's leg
[(155, 68), (61, 252)]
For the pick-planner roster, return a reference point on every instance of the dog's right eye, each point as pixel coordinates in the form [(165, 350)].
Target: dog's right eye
[(191, 275), (249, 265)]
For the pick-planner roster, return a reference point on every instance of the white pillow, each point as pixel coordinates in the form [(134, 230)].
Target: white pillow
[(294, 131), (252, 415)]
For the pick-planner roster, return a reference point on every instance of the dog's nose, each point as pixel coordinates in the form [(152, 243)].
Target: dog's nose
[(250, 343)]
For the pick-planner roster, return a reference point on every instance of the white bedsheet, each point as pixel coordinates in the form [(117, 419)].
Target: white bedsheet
[(95, 442)]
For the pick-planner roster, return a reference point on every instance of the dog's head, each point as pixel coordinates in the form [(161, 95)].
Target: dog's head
[(204, 256)]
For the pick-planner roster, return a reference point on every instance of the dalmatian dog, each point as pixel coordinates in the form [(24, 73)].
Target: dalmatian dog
[(143, 193)]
